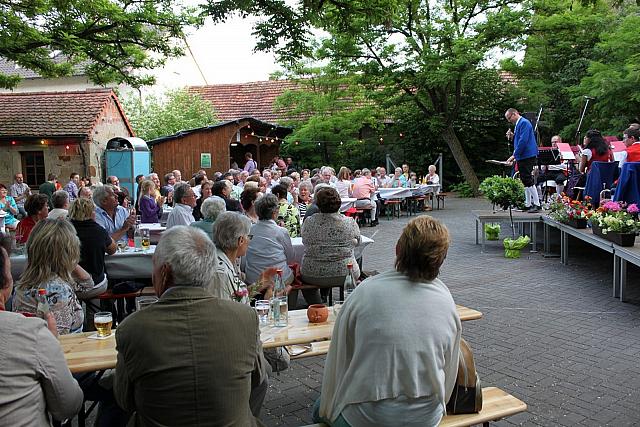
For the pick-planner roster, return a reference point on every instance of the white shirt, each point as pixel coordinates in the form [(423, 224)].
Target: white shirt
[(622, 156), (180, 215), (58, 213)]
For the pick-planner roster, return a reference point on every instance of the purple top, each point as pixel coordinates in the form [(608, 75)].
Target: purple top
[(149, 210), (250, 166)]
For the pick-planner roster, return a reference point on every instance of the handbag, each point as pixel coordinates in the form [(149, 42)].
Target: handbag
[(466, 397)]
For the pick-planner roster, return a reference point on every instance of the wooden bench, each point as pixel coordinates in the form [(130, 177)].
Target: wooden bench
[(496, 404), (392, 207), (440, 197), (362, 215)]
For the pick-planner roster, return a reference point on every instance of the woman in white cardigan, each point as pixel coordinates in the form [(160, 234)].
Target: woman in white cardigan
[(394, 349)]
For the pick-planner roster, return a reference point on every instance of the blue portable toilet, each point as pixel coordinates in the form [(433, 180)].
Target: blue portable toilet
[(126, 157)]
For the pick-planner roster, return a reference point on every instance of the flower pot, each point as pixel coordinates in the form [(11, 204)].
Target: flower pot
[(577, 223), (595, 228), (621, 239), (317, 313), (491, 231), (513, 247)]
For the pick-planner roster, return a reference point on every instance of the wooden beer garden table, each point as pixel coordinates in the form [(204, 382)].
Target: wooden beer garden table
[(87, 355)]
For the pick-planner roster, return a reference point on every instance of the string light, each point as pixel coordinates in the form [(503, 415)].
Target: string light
[(13, 143), (42, 142)]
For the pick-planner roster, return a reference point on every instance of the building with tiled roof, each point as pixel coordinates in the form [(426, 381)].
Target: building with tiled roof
[(34, 82), (253, 99), (58, 132)]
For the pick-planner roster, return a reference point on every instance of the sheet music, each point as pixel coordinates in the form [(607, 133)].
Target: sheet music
[(565, 151)]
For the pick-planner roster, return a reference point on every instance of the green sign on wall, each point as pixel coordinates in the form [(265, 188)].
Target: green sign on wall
[(205, 160)]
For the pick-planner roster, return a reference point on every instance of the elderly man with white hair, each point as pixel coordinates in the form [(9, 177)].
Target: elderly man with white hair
[(60, 203), (211, 208), (110, 215), (185, 201), (209, 381)]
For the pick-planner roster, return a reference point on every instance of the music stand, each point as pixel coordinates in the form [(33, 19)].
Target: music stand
[(549, 157)]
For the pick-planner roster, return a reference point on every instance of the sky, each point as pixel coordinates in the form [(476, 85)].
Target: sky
[(224, 53)]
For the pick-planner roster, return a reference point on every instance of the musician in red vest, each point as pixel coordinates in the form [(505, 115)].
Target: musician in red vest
[(525, 152), (631, 138)]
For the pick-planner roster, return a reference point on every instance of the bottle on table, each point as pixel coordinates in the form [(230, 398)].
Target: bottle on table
[(349, 281), (42, 309), (137, 238), (279, 306)]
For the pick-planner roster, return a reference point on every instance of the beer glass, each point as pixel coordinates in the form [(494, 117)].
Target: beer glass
[(146, 240), (103, 322)]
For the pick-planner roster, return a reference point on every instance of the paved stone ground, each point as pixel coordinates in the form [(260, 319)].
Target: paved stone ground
[(551, 335)]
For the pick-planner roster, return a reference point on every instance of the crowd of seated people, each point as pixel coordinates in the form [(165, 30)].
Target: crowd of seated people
[(243, 235)]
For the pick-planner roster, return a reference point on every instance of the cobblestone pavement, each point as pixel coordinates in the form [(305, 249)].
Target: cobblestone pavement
[(552, 335)]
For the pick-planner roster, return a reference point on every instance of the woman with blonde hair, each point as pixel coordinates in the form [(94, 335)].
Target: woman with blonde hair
[(150, 202), (344, 184), (53, 252), (94, 240), (377, 327)]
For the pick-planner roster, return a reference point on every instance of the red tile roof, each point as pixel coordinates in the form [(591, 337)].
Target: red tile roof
[(253, 99), (51, 114)]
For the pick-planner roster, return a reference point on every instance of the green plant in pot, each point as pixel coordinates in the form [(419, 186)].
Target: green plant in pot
[(492, 231), (506, 193)]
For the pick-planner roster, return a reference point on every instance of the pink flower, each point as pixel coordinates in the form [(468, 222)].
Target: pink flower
[(633, 208), (612, 206)]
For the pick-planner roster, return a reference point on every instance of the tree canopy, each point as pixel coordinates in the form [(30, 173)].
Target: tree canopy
[(110, 39), (409, 50), (166, 115)]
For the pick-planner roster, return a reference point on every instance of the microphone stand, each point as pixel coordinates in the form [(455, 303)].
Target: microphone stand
[(584, 112)]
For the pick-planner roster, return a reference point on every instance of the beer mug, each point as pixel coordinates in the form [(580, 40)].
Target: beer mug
[(103, 321)]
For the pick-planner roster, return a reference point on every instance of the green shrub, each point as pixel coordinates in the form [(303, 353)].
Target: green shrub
[(463, 189), (503, 191)]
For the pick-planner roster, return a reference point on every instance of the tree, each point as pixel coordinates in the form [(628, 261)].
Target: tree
[(162, 116), (421, 50), (612, 78), (110, 39), (561, 43), (328, 113)]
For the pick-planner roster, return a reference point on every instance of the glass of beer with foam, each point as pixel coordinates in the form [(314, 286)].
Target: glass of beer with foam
[(103, 321)]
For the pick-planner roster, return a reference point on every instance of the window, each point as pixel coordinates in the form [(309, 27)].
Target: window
[(33, 168)]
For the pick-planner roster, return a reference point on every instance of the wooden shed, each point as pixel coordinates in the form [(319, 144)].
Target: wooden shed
[(215, 148)]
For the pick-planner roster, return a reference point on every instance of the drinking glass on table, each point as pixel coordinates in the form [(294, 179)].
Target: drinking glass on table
[(103, 321), (262, 308), (146, 239), (337, 306), (122, 245)]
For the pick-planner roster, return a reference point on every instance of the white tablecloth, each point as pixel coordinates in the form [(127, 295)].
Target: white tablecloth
[(403, 193), (131, 265), (347, 203), (126, 265), (298, 247)]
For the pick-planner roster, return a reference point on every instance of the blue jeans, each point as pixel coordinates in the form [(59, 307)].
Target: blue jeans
[(316, 418)]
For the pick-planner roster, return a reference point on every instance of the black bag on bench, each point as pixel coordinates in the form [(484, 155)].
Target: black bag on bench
[(466, 397)]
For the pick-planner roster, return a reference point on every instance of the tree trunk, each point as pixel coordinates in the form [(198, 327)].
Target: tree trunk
[(449, 135)]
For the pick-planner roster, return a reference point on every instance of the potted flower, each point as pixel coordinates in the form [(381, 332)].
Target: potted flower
[(571, 212), (506, 193), (492, 231), (616, 223)]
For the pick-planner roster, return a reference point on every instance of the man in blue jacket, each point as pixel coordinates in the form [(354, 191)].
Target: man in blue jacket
[(525, 152)]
